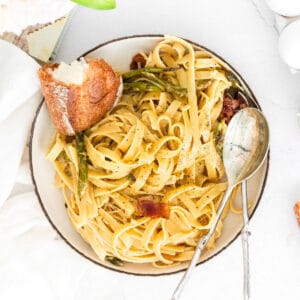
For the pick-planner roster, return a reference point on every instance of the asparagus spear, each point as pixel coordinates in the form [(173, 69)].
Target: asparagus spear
[(137, 72), (219, 135), (83, 167), (168, 87), (139, 86), (114, 260), (234, 81), (145, 80)]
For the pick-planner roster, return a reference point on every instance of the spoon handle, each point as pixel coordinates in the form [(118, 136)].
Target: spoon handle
[(245, 242), (200, 246)]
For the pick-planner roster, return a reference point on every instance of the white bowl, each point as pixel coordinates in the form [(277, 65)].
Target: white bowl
[(118, 53), (289, 45), (287, 8)]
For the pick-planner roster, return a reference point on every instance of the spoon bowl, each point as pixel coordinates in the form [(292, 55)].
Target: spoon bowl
[(246, 144)]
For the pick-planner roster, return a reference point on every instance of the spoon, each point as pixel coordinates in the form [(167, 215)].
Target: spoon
[(245, 147), (245, 242)]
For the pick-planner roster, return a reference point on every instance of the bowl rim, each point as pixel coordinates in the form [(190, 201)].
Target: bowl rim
[(267, 161)]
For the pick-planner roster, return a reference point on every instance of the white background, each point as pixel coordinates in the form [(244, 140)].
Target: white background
[(42, 266)]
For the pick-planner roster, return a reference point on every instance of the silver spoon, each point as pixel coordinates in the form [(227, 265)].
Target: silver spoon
[(246, 145), (245, 232), (245, 242)]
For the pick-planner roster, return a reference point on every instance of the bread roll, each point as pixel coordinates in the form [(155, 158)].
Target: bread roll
[(80, 94)]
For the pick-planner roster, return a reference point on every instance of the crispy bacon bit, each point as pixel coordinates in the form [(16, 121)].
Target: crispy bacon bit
[(230, 107), (137, 62), (148, 208), (297, 211)]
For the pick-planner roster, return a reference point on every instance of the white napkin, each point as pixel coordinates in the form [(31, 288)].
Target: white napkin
[(19, 97), (34, 262)]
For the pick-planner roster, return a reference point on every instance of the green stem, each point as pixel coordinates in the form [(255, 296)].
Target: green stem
[(139, 86), (83, 166), (137, 72), (146, 80)]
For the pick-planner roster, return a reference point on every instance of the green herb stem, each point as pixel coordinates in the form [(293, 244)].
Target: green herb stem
[(83, 166), (142, 80), (137, 72)]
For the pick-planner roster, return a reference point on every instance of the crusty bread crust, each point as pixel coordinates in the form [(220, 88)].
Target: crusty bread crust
[(297, 211), (74, 108)]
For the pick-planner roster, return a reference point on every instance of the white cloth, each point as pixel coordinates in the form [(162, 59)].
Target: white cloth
[(19, 97), (34, 262)]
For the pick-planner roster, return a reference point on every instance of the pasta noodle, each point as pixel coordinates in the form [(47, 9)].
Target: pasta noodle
[(152, 143)]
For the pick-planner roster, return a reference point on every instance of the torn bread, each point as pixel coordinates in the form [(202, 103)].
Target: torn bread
[(80, 94), (297, 211)]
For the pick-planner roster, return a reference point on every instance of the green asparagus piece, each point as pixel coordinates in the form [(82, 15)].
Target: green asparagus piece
[(139, 86), (220, 135), (234, 81), (83, 166), (114, 260), (131, 177), (137, 72), (142, 80), (168, 87), (62, 156)]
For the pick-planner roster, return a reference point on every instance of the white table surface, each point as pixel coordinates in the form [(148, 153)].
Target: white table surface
[(243, 32)]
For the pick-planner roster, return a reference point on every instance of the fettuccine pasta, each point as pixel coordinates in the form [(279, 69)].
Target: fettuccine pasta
[(155, 143)]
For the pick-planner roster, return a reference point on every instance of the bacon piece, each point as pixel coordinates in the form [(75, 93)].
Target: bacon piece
[(297, 211), (138, 61), (230, 107), (149, 208)]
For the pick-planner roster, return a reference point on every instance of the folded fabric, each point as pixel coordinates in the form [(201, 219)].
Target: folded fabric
[(19, 97), (36, 264)]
